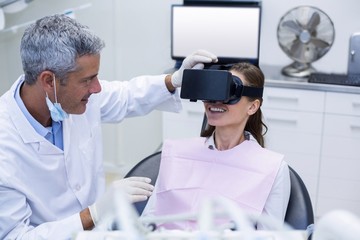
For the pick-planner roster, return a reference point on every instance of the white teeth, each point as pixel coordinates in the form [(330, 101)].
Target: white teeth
[(213, 109)]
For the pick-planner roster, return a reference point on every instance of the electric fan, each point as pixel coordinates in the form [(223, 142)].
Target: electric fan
[(305, 34)]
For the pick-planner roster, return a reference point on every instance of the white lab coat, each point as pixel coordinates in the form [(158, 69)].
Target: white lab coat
[(42, 188)]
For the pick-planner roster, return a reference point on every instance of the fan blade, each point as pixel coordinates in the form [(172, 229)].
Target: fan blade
[(293, 26), (313, 22), (319, 43), (298, 49)]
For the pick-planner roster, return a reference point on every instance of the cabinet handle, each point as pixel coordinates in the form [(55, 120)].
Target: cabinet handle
[(283, 99), (282, 121), (356, 104), (354, 127)]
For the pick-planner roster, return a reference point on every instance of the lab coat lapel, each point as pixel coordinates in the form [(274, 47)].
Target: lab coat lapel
[(26, 131), (66, 135)]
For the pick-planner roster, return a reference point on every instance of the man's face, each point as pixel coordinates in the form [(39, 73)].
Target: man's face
[(80, 84)]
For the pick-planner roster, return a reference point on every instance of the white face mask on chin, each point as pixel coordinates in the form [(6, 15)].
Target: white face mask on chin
[(56, 112)]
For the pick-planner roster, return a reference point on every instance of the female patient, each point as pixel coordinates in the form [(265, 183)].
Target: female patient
[(229, 160)]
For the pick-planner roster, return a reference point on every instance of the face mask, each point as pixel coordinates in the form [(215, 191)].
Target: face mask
[(56, 112)]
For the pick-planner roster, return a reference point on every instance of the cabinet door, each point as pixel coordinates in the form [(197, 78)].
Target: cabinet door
[(343, 103), (293, 99), (297, 135), (294, 119), (293, 132), (339, 182)]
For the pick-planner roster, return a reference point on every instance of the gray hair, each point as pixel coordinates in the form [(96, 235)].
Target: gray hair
[(54, 43)]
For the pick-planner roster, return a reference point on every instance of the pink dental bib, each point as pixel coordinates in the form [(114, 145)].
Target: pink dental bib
[(190, 172)]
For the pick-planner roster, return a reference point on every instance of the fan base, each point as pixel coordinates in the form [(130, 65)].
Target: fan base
[(297, 69)]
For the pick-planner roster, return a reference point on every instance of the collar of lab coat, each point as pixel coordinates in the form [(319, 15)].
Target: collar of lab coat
[(23, 126)]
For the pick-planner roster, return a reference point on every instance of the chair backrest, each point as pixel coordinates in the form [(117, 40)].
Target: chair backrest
[(299, 213), (148, 167)]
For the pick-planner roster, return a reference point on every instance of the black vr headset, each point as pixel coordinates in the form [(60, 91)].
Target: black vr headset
[(215, 86)]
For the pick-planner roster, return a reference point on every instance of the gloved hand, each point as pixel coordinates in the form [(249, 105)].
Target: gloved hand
[(135, 189), (195, 60)]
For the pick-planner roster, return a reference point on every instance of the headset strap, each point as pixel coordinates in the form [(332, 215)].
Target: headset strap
[(252, 91)]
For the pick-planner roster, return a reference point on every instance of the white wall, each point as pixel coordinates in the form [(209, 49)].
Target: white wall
[(143, 38), (137, 34)]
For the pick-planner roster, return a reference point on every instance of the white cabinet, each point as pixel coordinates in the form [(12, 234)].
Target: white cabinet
[(319, 133), (294, 118), (339, 181)]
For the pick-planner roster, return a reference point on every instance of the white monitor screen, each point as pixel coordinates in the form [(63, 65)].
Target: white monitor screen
[(232, 33)]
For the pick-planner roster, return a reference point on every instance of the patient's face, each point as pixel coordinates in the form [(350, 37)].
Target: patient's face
[(228, 116)]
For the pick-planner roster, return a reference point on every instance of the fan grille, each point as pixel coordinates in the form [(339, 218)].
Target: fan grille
[(305, 34)]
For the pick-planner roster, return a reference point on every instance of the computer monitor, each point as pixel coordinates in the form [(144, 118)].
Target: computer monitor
[(232, 32)]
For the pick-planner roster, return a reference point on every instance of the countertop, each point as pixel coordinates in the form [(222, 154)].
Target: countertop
[(274, 78)]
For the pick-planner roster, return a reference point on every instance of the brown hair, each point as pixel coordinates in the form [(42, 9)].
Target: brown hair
[(255, 125)]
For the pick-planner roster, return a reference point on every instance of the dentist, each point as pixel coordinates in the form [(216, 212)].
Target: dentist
[(52, 181)]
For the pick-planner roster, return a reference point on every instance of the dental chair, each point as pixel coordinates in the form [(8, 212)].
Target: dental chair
[(299, 212)]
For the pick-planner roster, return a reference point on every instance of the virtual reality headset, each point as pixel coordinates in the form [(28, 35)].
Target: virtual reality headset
[(215, 86)]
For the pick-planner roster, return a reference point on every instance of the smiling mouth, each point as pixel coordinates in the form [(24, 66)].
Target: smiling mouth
[(217, 110)]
